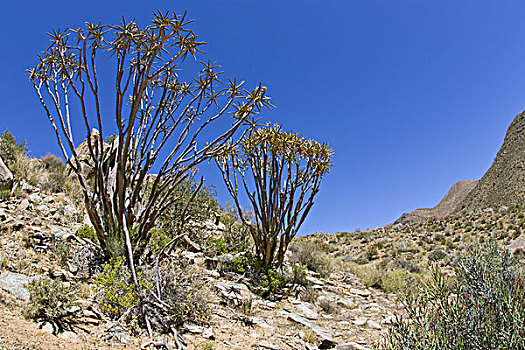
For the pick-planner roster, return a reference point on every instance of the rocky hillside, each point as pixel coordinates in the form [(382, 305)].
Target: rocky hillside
[(455, 196), (40, 236), (504, 182)]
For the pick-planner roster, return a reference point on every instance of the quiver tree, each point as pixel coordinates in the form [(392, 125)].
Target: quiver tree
[(160, 117), (280, 172)]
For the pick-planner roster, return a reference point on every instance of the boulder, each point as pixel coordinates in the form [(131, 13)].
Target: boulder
[(16, 284), (237, 293), (6, 177)]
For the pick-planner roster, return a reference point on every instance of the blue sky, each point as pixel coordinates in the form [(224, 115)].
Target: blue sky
[(412, 95)]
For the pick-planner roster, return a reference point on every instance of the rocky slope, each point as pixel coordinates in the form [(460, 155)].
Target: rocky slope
[(504, 182), (448, 205), (337, 311)]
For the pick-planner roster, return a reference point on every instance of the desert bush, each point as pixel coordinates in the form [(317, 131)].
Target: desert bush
[(158, 240), (13, 153), (237, 234), (187, 292), (56, 177), (389, 280), (116, 292), (308, 294), (88, 232), (482, 307), (51, 301), (308, 253), (61, 250), (193, 203), (5, 195), (234, 238), (437, 254), (264, 280), (298, 275)]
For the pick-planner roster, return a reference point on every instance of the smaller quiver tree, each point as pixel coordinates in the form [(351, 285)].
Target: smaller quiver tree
[(281, 173)]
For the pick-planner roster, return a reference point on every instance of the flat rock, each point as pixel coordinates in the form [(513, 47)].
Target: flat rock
[(308, 311), (266, 345), (373, 324), (235, 292), (351, 346), (326, 341), (16, 284), (361, 292), (360, 322)]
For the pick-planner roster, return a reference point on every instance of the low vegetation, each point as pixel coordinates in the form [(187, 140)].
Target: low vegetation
[(52, 301), (482, 307)]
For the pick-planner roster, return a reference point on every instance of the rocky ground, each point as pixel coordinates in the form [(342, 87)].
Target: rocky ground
[(334, 312)]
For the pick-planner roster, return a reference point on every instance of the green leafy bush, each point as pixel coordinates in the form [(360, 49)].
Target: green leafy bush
[(116, 292), (51, 301), (158, 240), (218, 245), (88, 232), (199, 210), (264, 281), (483, 307)]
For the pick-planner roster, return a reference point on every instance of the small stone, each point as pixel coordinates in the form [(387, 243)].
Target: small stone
[(24, 204), (207, 333), (193, 328), (47, 327), (35, 198), (68, 335), (89, 313), (350, 346), (325, 340), (43, 209), (373, 324), (359, 322), (266, 345), (361, 292)]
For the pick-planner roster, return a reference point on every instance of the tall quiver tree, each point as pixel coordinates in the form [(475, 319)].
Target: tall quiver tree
[(158, 117), (280, 172)]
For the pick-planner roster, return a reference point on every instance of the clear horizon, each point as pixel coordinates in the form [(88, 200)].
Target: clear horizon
[(412, 96)]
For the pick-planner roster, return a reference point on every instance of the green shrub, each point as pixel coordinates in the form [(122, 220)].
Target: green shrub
[(378, 276), (158, 240), (237, 236), (61, 250), (12, 152), (298, 276), (5, 195), (116, 292), (310, 254), (218, 245), (436, 255), (200, 209), (88, 232), (51, 301), (264, 281), (481, 308)]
